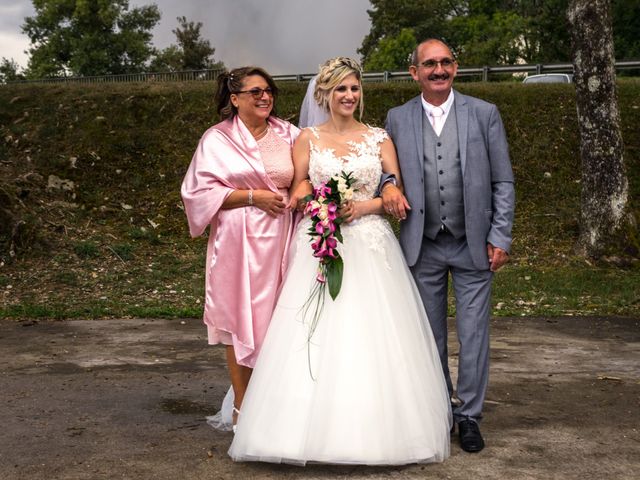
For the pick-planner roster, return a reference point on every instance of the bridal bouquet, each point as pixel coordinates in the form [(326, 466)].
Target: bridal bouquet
[(325, 234), (323, 207)]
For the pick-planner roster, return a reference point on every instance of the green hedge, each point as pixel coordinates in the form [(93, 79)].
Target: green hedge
[(127, 147), (148, 132)]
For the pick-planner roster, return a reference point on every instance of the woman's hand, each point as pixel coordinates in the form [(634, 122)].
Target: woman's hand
[(296, 199), (269, 202), (350, 211)]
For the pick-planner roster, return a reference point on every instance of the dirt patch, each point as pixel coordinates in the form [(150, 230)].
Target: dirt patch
[(127, 399)]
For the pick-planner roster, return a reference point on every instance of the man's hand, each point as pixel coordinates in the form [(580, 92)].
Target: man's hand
[(497, 257), (394, 202)]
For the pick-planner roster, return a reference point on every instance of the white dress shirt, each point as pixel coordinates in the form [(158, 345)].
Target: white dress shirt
[(437, 115)]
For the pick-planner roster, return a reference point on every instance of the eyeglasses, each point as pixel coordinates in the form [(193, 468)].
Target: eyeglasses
[(257, 92), (444, 63)]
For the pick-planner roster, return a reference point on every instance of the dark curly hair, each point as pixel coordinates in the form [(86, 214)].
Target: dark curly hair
[(231, 82)]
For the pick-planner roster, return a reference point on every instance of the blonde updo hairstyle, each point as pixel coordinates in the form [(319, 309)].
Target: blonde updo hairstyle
[(331, 73)]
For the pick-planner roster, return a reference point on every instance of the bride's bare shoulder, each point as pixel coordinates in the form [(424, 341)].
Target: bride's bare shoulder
[(307, 134)]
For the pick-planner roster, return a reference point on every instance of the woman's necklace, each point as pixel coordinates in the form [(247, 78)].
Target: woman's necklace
[(258, 136)]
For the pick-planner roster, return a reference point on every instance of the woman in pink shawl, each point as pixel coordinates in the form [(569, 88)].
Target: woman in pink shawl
[(237, 184)]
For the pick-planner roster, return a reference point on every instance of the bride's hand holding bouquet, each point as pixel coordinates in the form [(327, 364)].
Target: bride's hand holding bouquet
[(330, 205), (350, 211)]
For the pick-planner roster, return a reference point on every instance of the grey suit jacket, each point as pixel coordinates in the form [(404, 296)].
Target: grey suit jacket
[(489, 196)]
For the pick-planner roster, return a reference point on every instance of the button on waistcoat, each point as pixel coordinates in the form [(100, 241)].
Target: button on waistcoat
[(444, 200)]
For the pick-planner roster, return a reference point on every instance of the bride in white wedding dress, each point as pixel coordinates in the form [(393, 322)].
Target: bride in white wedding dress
[(367, 387)]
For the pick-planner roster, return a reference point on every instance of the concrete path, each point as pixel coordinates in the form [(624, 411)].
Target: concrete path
[(127, 399)]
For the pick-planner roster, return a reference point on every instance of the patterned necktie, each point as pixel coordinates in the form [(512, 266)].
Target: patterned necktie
[(436, 115)]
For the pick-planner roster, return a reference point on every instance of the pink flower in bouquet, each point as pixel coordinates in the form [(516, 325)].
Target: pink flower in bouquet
[(323, 207), (332, 211), (326, 252), (323, 190)]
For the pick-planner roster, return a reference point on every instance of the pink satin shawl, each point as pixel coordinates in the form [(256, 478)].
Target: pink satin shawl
[(245, 255)]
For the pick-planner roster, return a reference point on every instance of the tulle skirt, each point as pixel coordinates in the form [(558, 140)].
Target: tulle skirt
[(367, 387)]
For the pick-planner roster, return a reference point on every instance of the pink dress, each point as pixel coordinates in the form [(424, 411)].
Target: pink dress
[(247, 249), (276, 156)]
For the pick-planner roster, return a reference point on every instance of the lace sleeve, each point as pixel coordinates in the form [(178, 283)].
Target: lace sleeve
[(379, 134), (314, 132)]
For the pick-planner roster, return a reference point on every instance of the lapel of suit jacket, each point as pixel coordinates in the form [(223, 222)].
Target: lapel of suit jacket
[(417, 112), (462, 118)]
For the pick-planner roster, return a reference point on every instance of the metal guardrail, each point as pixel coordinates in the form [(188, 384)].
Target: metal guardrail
[(483, 73), (182, 76)]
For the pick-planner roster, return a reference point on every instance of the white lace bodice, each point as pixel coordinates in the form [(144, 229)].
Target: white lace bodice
[(363, 160)]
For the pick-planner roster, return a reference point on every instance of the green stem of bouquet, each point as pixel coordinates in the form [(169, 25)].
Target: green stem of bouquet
[(315, 301)]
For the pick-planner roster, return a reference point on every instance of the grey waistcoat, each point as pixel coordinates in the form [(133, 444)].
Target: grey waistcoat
[(443, 178)]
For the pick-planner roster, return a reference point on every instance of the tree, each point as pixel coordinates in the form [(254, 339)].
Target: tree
[(484, 39), (197, 53), (168, 60), (425, 18), (191, 53), (478, 31), (549, 32), (392, 53), (9, 71), (626, 28), (605, 210), (546, 39), (89, 37), (487, 32)]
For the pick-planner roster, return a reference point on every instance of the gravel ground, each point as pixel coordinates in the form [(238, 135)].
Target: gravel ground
[(127, 398)]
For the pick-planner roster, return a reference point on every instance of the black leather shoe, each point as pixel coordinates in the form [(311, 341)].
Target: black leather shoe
[(453, 422), (470, 436)]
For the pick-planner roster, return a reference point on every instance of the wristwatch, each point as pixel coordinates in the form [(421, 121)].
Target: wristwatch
[(391, 179)]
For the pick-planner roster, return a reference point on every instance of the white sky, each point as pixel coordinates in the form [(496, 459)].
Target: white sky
[(283, 36)]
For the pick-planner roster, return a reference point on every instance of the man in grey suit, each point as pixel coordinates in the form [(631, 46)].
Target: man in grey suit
[(456, 216)]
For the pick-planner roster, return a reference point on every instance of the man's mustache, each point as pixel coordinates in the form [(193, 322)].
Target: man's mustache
[(435, 76)]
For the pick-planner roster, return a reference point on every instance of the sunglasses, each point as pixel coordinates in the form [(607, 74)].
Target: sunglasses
[(444, 63), (258, 92)]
